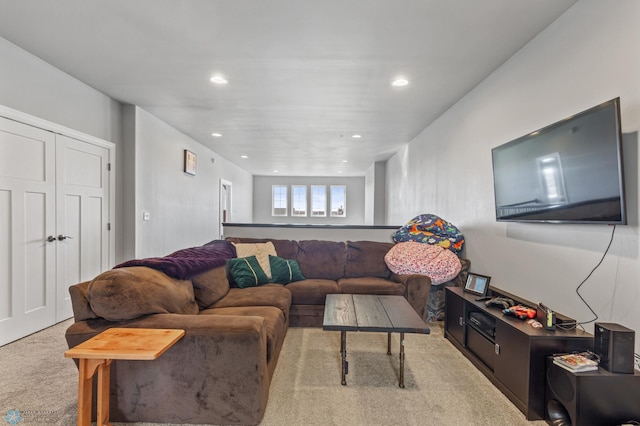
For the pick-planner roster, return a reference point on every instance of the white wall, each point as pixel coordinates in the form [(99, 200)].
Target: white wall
[(183, 209), (355, 199), (587, 56)]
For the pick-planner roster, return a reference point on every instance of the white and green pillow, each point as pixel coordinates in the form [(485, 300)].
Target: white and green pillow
[(247, 272)]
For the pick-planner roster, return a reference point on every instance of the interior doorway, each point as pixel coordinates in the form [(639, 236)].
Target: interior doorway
[(225, 205)]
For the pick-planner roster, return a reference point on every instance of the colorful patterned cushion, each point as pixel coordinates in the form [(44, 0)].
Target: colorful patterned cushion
[(284, 271), (431, 229), (246, 272), (410, 257)]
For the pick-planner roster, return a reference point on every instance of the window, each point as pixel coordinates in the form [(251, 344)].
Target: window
[(318, 201), (338, 201), (298, 200), (279, 200)]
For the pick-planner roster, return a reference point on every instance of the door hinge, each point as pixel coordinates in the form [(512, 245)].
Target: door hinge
[(109, 167), (108, 227)]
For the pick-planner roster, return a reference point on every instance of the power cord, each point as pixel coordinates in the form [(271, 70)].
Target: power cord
[(589, 276)]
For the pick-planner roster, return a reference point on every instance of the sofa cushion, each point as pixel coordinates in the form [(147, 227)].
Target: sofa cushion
[(436, 262), (246, 272), (274, 319), (322, 259), (266, 295), (81, 307), (284, 271), (370, 285), (261, 251), (126, 293), (210, 286), (366, 259), (311, 291)]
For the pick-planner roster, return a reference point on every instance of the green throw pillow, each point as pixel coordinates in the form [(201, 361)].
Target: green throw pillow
[(284, 271), (246, 272)]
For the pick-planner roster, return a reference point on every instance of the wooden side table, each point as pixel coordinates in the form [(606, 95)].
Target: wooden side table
[(97, 353)]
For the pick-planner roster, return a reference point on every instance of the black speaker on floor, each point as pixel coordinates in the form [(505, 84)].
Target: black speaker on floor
[(590, 398), (614, 344)]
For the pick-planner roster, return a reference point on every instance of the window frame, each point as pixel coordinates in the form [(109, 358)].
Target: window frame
[(344, 201), (312, 201), (273, 201), (293, 201)]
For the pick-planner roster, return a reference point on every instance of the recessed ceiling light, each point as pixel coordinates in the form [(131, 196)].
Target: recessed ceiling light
[(219, 79), (356, 136), (244, 156), (275, 171), (216, 135), (400, 82), (345, 161), (339, 171)]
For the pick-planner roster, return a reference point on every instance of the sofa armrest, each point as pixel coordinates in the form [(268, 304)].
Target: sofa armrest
[(216, 374), (417, 289)]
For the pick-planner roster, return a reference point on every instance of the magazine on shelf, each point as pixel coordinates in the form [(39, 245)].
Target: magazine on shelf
[(575, 362)]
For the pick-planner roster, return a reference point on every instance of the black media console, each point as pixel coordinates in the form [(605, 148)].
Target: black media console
[(510, 352)]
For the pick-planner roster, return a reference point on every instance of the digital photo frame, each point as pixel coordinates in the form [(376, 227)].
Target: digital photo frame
[(477, 284)]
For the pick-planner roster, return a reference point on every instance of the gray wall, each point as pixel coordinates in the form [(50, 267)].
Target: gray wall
[(183, 209), (355, 199), (380, 189), (32, 86), (587, 56)]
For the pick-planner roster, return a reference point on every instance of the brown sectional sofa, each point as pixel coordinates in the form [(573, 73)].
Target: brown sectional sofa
[(220, 371), (355, 267)]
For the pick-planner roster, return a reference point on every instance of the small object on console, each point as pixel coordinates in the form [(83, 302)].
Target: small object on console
[(500, 302), (546, 316), (520, 311), (533, 323)]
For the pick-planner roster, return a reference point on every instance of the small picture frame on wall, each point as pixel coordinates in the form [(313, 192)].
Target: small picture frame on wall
[(190, 162), (477, 284)]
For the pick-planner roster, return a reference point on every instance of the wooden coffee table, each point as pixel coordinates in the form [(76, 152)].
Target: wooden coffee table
[(359, 312), (97, 353)]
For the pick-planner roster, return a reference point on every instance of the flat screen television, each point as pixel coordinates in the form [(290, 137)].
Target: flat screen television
[(567, 172)]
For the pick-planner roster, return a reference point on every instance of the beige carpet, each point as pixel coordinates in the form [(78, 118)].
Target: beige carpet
[(441, 386)]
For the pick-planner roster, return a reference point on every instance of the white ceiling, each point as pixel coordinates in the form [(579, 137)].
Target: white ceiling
[(304, 75)]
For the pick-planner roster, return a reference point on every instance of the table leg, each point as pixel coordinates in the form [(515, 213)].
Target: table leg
[(389, 343), (86, 371), (343, 352), (104, 376), (402, 360)]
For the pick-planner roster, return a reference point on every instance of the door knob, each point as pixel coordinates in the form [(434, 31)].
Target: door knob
[(51, 239), (64, 237)]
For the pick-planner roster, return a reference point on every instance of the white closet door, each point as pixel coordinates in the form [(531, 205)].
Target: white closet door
[(82, 184), (27, 219)]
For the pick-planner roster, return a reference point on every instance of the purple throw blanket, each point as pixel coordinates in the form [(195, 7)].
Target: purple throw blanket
[(186, 263)]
